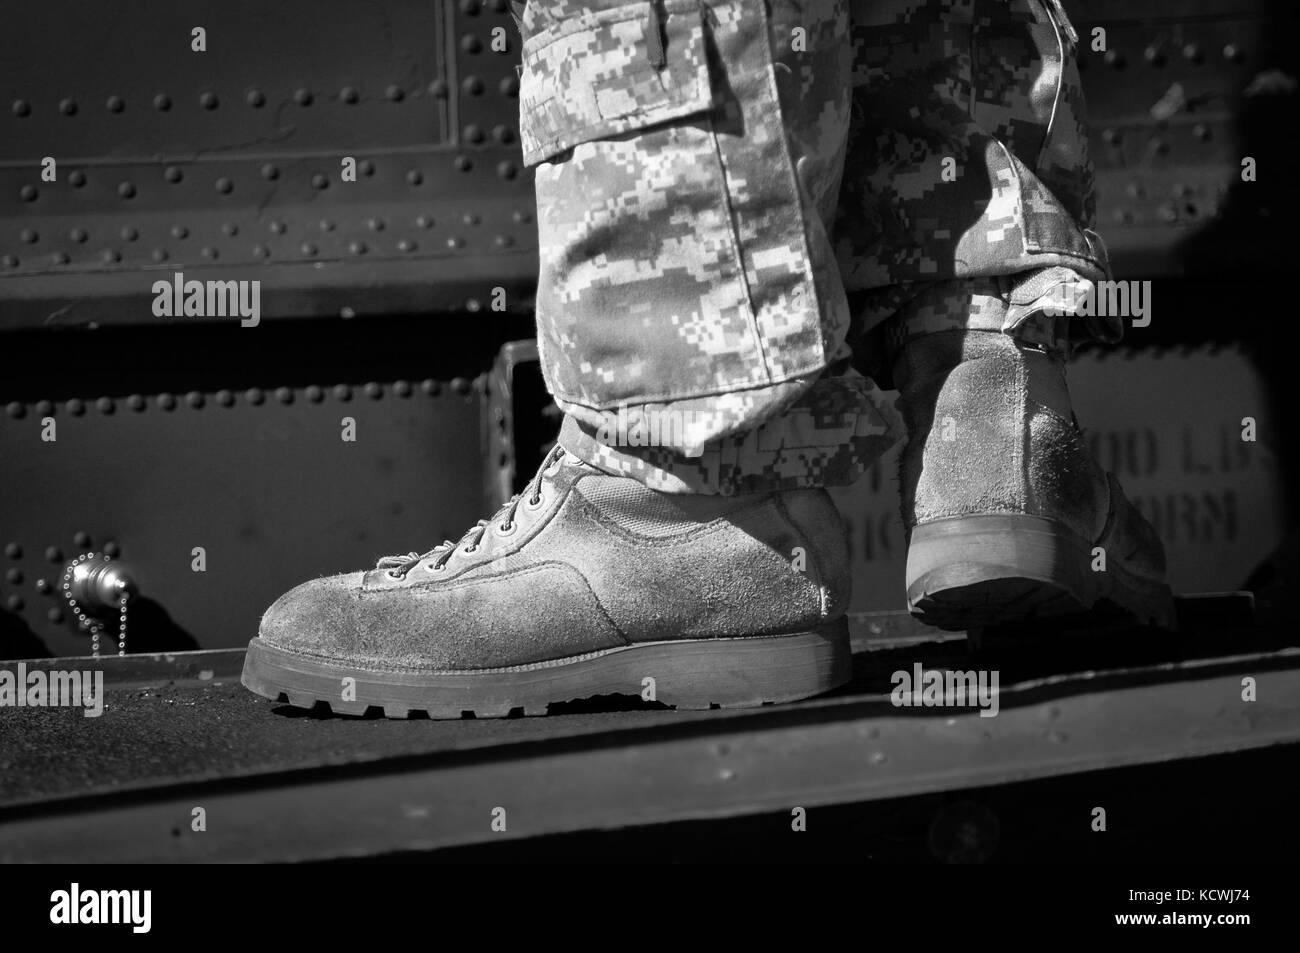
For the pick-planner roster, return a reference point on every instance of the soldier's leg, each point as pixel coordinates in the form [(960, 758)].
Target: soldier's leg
[(679, 541), (965, 240)]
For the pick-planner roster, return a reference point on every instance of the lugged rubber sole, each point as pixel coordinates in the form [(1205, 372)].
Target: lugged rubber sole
[(974, 572), (688, 674)]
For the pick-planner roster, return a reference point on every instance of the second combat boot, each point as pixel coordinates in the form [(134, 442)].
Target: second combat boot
[(585, 584), (1009, 518)]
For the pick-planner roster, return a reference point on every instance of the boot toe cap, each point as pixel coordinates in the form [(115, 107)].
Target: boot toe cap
[(320, 616)]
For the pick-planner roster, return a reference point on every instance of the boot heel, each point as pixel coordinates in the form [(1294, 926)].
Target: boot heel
[(977, 571)]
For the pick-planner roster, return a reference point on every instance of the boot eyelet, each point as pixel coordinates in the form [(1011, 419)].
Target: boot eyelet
[(470, 549), (394, 574), (507, 529), (535, 502), (433, 567)]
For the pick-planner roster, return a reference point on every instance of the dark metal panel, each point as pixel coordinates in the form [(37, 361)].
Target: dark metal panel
[(228, 161), (714, 765)]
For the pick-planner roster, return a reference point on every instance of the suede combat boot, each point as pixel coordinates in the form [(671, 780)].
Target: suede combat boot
[(585, 584), (1009, 518)]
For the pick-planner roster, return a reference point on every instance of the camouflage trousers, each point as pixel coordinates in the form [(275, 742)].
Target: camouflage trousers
[(745, 207)]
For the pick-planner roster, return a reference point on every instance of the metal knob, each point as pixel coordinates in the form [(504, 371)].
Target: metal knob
[(97, 584)]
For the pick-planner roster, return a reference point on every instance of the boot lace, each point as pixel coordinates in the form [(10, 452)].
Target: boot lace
[(399, 566)]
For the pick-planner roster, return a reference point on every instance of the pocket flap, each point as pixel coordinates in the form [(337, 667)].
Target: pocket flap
[(610, 72)]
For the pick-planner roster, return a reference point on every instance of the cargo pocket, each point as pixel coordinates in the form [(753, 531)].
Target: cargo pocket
[(642, 291), (609, 72)]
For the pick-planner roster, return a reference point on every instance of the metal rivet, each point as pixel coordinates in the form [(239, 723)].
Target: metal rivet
[(469, 7), (473, 133), (463, 163), (115, 104), (315, 393), (302, 97), (254, 396), (76, 407), (402, 388), (126, 190), (374, 390), (349, 94), (255, 98), (225, 398), (166, 401), (15, 603), (229, 228), (509, 86), (405, 245), (105, 405), (504, 241), (22, 107), (77, 178), (366, 166), (160, 254), (53, 554), (224, 185), (308, 249), (472, 305), (270, 172), (55, 615), (1193, 53), (395, 93), (194, 399), (162, 102), (503, 134), (109, 256), (112, 549), (471, 43), (82, 539), (136, 402), (13, 550), (173, 174), (1114, 59), (9, 261), (357, 248), (60, 258), (347, 313), (44, 408), (1201, 131), (28, 236), (414, 177), (276, 226), (438, 88), (16, 410), (430, 386), (128, 233), (15, 576), (472, 86), (460, 385), (1234, 53), (319, 181), (455, 242), (424, 221), (342, 392), (1154, 55), (507, 170), (208, 100), (208, 251), (260, 251), (68, 107), (28, 193), (470, 218), (180, 231), (284, 395), (78, 235), (375, 224)]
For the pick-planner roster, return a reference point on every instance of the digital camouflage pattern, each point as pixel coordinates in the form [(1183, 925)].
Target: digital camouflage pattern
[(716, 181)]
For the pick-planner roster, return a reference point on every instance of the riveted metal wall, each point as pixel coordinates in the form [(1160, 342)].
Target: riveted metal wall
[(228, 163)]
